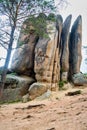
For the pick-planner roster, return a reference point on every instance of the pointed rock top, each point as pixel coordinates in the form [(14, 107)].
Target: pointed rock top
[(59, 21), (59, 18), (67, 21), (78, 22)]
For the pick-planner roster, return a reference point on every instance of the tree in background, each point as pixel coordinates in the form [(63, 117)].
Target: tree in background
[(16, 11)]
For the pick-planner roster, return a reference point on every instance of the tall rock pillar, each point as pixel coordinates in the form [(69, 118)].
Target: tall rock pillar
[(45, 55), (56, 66), (75, 46), (75, 53), (64, 60)]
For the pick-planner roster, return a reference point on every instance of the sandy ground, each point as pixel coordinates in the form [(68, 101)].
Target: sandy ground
[(59, 112)]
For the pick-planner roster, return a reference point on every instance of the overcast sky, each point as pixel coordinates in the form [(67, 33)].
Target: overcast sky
[(77, 7)]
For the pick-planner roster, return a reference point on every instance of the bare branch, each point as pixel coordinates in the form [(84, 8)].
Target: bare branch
[(2, 58), (3, 46), (4, 31), (6, 43)]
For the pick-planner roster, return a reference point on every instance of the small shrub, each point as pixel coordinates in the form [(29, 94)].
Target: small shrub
[(61, 84)]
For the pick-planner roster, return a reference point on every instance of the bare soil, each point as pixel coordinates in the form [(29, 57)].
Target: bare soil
[(59, 112)]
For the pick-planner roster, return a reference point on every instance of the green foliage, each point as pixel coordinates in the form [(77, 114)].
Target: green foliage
[(36, 25), (1, 0), (45, 6), (51, 17), (61, 84)]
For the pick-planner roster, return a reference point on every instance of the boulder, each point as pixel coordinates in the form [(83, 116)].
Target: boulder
[(79, 79), (46, 95), (25, 98), (65, 48), (75, 46), (16, 87), (37, 89)]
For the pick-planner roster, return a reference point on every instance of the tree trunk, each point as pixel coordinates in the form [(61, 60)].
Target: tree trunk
[(5, 68)]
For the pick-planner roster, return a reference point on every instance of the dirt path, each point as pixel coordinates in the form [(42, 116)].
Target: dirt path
[(56, 113)]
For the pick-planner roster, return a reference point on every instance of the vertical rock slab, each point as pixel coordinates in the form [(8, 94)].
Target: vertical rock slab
[(56, 66), (65, 48), (59, 26), (45, 55), (75, 53), (75, 46)]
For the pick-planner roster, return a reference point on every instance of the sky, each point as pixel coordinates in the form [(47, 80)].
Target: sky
[(77, 7)]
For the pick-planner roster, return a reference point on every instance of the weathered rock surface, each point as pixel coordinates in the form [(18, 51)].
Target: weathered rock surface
[(75, 56), (37, 89), (56, 66), (59, 26), (45, 54), (23, 58), (67, 86), (75, 46), (25, 98), (65, 48), (46, 95), (16, 87), (79, 79)]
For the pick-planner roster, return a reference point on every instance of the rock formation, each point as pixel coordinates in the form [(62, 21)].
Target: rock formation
[(23, 59), (75, 46), (64, 60), (75, 56), (46, 58), (47, 52), (16, 87)]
